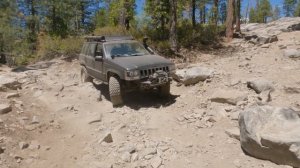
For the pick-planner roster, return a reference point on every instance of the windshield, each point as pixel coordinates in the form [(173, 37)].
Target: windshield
[(125, 49)]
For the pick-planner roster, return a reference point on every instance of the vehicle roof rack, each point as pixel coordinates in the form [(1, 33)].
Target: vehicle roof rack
[(107, 38)]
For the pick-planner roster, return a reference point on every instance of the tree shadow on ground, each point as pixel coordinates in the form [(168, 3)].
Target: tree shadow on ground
[(37, 66), (140, 99)]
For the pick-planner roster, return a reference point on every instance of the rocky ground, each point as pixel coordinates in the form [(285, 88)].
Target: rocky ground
[(49, 119)]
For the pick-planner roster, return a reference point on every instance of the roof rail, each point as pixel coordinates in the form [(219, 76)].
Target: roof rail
[(107, 38)]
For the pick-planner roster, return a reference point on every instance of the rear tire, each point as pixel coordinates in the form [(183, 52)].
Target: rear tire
[(85, 77), (115, 91), (164, 90)]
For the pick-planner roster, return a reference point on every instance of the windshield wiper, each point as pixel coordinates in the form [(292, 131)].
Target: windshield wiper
[(137, 54)]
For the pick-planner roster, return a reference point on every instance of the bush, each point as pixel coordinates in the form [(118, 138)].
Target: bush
[(51, 47), (111, 31)]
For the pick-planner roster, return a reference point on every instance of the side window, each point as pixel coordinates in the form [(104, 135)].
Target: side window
[(83, 48), (91, 49), (99, 50)]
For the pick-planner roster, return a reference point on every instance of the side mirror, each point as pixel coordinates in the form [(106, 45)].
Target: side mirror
[(98, 58)]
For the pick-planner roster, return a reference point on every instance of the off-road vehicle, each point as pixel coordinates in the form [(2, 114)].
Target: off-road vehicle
[(125, 65)]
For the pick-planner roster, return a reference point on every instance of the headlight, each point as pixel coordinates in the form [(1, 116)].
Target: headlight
[(132, 73)]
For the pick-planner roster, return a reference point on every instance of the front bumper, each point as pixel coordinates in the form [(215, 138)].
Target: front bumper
[(157, 79)]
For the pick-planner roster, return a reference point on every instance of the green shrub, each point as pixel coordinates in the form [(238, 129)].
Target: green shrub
[(51, 47)]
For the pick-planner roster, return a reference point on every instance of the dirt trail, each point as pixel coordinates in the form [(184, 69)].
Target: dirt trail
[(186, 130)]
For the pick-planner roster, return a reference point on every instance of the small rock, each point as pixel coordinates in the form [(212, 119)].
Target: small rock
[(2, 150), (156, 162), (265, 45), (149, 151), (211, 135), (34, 145), (107, 138), (5, 108), (35, 120), (281, 46), (23, 145), (259, 85), (12, 95), (126, 157), (134, 157), (99, 119), (233, 133), (291, 53)]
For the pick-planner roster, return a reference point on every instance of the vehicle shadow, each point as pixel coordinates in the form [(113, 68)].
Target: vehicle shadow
[(140, 99)]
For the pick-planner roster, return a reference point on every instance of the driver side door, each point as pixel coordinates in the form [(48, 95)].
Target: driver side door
[(98, 64)]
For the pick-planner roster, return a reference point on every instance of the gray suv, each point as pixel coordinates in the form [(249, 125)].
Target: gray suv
[(125, 65)]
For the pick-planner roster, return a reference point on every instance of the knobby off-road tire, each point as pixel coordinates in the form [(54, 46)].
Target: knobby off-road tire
[(164, 90), (115, 91), (84, 76)]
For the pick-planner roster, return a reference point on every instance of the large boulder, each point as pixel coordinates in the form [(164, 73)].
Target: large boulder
[(5, 108), (190, 76), (271, 133), (291, 53), (8, 82), (228, 96), (259, 85), (267, 33)]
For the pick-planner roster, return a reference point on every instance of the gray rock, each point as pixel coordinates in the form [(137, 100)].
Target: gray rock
[(23, 145), (8, 82), (228, 96), (134, 157), (259, 85), (265, 46), (233, 133), (271, 133), (35, 120), (291, 53), (34, 145), (126, 157), (106, 138), (148, 151), (5, 108), (156, 162), (193, 75), (267, 33), (12, 95), (292, 89)]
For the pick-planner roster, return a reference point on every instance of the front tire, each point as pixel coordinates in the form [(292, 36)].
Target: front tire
[(84, 76), (164, 90), (115, 91)]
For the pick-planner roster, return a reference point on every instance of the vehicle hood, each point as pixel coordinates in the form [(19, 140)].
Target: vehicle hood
[(136, 62)]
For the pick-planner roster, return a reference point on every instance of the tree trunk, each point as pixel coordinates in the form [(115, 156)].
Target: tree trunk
[(238, 16), (216, 12), (194, 13), (229, 19), (204, 14), (173, 26)]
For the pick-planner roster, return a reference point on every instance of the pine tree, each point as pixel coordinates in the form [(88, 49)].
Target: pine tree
[(229, 19), (276, 13), (238, 16), (252, 15), (173, 25), (297, 10), (264, 11), (289, 7)]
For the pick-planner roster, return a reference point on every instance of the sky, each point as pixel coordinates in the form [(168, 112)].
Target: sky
[(140, 4)]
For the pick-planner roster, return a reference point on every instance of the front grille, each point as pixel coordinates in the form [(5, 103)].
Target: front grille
[(148, 72)]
